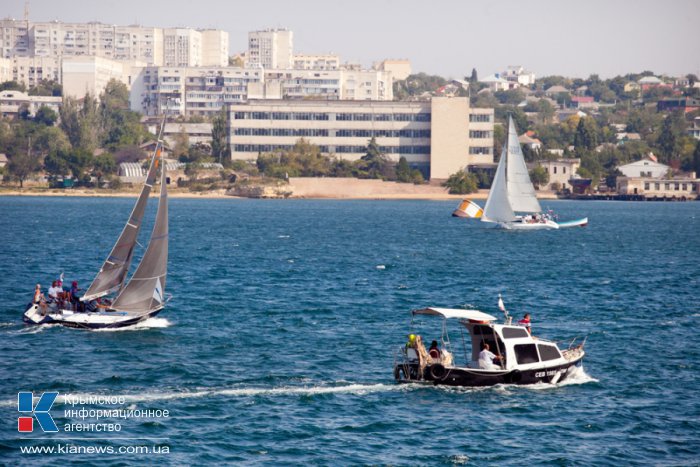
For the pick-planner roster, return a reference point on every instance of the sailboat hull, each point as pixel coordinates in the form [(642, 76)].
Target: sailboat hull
[(523, 225), (110, 319)]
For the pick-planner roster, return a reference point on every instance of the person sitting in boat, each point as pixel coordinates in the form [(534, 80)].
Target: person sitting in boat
[(39, 299), (434, 351), (525, 322), (55, 293), (486, 358)]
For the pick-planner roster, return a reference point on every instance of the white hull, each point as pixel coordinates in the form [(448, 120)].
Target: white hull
[(97, 320), (520, 225)]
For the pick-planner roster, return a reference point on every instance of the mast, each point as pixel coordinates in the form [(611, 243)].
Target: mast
[(521, 192)]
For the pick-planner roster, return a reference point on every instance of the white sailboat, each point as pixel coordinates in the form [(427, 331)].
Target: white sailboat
[(143, 296), (512, 203)]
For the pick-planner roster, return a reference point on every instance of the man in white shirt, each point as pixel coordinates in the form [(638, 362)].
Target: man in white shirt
[(486, 358), (53, 291)]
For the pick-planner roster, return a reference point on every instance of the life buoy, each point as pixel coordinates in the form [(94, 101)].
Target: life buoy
[(437, 371)]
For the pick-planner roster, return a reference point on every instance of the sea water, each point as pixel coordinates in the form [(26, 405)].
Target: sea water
[(278, 344)]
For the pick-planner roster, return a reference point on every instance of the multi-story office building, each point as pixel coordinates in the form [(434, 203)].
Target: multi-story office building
[(440, 137), (183, 47), (271, 48)]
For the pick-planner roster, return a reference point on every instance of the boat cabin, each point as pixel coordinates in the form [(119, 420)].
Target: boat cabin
[(513, 342)]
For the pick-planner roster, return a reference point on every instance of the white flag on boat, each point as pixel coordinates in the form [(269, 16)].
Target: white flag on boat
[(501, 306)]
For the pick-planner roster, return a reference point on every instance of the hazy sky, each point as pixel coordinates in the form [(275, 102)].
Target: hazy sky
[(571, 38)]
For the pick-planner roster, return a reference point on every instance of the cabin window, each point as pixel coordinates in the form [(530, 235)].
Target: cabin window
[(548, 352), (526, 353), (510, 333)]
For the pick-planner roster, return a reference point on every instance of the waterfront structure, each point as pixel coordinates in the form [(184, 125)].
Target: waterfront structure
[(647, 167), (271, 48), (12, 102), (685, 186), (153, 46), (561, 172), (440, 136)]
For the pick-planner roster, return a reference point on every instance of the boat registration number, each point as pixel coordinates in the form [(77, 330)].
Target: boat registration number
[(542, 374)]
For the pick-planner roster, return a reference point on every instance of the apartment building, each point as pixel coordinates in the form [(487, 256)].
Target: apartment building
[(13, 102), (203, 91), (316, 62), (271, 48), (190, 91), (437, 137), (183, 47)]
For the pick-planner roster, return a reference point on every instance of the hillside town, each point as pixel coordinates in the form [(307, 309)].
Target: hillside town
[(80, 106)]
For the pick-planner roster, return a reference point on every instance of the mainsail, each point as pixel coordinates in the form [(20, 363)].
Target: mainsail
[(521, 193), (511, 190), (114, 270), (145, 290)]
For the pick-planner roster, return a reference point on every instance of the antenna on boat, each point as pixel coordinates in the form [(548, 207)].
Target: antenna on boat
[(502, 307)]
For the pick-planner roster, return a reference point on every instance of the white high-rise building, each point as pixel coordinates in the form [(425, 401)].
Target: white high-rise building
[(214, 47), (184, 46), (271, 48)]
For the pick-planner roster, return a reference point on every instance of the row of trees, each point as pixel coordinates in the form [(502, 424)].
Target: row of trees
[(70, 148), (306, 160)]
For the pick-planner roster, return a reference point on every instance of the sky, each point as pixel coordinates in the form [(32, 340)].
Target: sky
[(447, 38)]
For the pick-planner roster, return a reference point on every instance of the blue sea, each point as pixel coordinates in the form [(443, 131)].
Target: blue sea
[(278, 344)]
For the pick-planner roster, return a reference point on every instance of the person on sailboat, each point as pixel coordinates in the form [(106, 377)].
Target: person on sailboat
[(486, 358), (74, 298)]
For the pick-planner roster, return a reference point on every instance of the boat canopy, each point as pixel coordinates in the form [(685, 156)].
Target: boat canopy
[(450, 313)]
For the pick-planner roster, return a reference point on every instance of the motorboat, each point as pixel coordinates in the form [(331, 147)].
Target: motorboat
[(521, 358)]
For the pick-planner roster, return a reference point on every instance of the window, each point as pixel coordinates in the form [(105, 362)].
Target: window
[(479, 118), (548, 352), (526, 353), (554, 169), (646, 185), (510, 333), (563, 170)]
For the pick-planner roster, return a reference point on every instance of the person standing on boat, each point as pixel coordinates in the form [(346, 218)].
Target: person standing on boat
[(434, 351), (486, 358), (525, 322), (74, 298)]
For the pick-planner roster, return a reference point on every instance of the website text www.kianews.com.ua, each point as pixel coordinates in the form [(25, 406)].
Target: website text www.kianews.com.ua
[(62, 448)]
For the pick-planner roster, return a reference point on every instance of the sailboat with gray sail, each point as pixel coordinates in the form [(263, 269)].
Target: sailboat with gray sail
[(112, 301)]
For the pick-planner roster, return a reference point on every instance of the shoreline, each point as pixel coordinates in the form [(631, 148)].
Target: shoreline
[(221, 194)]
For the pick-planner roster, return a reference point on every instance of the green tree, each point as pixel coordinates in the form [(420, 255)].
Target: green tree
[(375, 164), (539, 176), (403, 171), (671, 138), (46, 88), (45, 116), (21, 165), (696, 159), (546, 111), (461, 183), (48, 139), (219, 131), (586, 137), (474, 78), (12, 86), (119, 125), (182, 145), (102, 166)]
